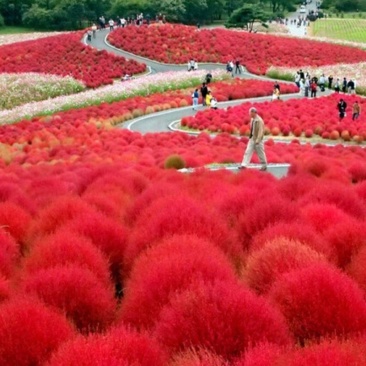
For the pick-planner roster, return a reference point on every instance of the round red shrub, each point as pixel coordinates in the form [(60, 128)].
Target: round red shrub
[(4, 289), (109, 235), (329, 352), (178, 214), (319, 301), (264, 213), (334, 135), (15, 220), (345, 238), (9, 253), (58, 213), (323, 215), (356, 269), (119, 347), (278, 256), (76, 291), (298, 231), (30, 332), (170, 266), (223, 317), (67, 248), (341, 195), (201, 357), (309, 133), (265, 354)]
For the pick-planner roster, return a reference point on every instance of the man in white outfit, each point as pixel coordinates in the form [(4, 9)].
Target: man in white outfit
[(255, 141)]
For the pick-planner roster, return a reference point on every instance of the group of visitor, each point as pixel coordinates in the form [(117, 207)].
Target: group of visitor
[(234, 67), (192, 65), (342, 109), (137, 20), (207, 97), (307, 84)]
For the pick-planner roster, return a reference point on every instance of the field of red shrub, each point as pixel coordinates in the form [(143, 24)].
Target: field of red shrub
[(108, 257), (304, 118), (66, 55), (169, 254), (257, 52)]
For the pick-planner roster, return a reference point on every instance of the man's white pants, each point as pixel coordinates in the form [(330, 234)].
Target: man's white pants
[(259, 149)]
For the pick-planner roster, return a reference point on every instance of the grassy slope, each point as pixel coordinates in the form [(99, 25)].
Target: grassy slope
[(345, 29)]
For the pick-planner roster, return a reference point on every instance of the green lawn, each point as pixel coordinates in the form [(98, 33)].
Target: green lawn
[(347, 29), (15, 30)]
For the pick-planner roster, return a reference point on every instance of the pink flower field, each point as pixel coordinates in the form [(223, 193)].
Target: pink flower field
[(110, 256)]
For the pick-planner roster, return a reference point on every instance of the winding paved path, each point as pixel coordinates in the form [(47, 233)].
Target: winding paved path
[(162, 121)]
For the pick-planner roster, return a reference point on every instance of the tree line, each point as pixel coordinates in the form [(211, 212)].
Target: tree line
[(74, 14)]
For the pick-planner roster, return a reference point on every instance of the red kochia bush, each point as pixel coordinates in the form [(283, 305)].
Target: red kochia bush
[(265, 354), (298, 231), (14, 220), (178, 214), (330, 352), (9, 253), (58, 213), (327, 353), (109, 235), (265, 212), (345, 238), (67, 248), (30, 332), (343, 196), (278, 256), (356, 269), (223, 317), (119, 347), (169, 267), (201, 357), (76, 291), (323, 215), (318, 301)]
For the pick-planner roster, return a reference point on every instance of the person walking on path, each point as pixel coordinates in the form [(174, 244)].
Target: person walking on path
[(94, 30), (330, 81), (313, 88), (237, 67), (351, 87), (322, 83), (342, 105), (111, 24), (255, 143), (204, 92), (344, 85), (356, 110), (337, 86), (195, 97)]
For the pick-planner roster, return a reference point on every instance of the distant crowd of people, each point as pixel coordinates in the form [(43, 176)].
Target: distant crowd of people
[(137, 20), (311, 84)]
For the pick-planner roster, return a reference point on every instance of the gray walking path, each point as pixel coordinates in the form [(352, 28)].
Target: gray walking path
[(164, 121)]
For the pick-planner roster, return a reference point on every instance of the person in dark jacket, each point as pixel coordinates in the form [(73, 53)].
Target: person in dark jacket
[(204, 92), (342, 105)]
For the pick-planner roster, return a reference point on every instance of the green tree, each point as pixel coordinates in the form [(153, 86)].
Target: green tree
[(174, 10), (247, 15), (214, 9), (37, 17), (127, 8), (231, 5), (196, 11)]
